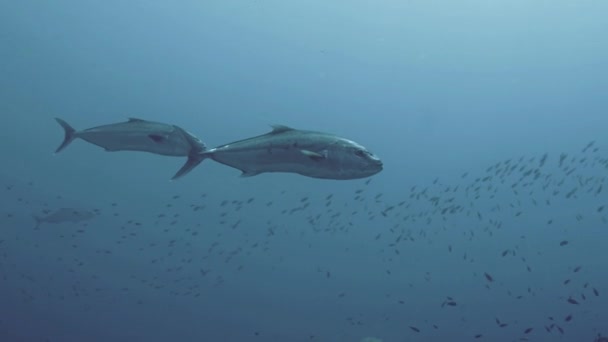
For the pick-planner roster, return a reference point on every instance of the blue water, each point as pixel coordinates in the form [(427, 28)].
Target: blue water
[(445, 92)]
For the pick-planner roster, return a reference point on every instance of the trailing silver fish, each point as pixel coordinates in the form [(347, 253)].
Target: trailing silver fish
[(308, 153), (141, 135)]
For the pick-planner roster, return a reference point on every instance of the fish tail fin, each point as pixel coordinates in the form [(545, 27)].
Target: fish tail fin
[(70, 134), (38, 220), (193, 160), (197, 153)]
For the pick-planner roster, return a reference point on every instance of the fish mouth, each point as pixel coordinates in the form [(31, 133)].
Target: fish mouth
[(376, 166)]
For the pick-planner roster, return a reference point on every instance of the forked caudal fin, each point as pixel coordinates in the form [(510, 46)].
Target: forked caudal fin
[(70, 134), (38, 221), (193, 160)]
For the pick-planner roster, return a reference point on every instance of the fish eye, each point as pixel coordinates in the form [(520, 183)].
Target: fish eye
[(360, 153)]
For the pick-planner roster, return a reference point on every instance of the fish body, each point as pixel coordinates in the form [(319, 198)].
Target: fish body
[(64, 215), (308, 153), (143, 136)]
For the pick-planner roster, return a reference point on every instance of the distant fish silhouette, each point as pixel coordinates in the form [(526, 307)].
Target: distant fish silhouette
[(64, 215)]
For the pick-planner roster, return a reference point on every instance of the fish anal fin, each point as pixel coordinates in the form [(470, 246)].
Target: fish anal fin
[(316, 156)]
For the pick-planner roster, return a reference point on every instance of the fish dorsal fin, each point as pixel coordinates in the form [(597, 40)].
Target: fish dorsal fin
[(280, 129), (136, 120)]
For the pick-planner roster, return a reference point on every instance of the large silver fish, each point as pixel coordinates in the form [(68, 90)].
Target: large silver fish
[(141, 135), (308, 153), (64, 215)]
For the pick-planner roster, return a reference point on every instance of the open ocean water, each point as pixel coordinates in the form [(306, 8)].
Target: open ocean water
[(489, 221)]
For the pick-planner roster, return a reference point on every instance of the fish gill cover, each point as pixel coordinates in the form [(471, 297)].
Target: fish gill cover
[(488, 222)]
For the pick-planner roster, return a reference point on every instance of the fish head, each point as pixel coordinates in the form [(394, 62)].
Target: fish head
[(355, 161), (188, 140), (172, 140), (196, 143)]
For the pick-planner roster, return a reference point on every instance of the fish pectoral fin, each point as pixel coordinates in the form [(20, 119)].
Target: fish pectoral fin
[(249, 173), (157, 138), (315, 155)]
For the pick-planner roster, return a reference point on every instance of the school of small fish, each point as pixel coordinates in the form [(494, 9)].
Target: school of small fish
[(466, 223)]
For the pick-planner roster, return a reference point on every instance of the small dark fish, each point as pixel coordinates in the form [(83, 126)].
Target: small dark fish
[(601, 338), (577, 268), (415, 329), (596, 292), (563, 243), (488, 277), (529, 330), (568, 318), (572, 301)]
